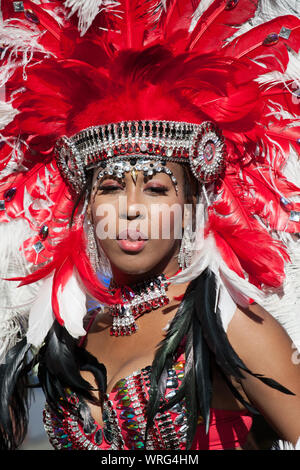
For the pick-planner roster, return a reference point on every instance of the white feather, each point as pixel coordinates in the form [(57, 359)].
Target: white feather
[(72, 306), (201, 8), (15, 301), (41, 316), (87, 10)]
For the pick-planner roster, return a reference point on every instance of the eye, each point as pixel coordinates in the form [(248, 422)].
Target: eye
[(157, 189), (108, 187)]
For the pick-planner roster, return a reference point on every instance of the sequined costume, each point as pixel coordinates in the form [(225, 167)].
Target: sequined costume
[(124, 421), (125, 86)]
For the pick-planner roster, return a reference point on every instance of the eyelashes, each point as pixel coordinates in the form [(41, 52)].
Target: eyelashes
[(113, 188)]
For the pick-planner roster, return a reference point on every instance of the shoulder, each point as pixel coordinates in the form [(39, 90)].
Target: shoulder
[(264, 346), (254, 333)]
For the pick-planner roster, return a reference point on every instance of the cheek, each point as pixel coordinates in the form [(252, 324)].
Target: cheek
[(166, 221)]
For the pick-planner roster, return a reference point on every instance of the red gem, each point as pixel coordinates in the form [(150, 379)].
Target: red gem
[(157, 150), (137, 148), (150, 148), (231, 4), (163, 152), (116, 151), (129, 148), (271, 39), (179, 153), (123, 149)]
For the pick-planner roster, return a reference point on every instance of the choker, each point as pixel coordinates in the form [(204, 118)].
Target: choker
[(138, 299)]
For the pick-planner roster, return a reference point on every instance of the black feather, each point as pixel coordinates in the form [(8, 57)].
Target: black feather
[(14, 395)]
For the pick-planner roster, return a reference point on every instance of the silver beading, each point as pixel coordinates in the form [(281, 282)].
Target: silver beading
[(200, 145)]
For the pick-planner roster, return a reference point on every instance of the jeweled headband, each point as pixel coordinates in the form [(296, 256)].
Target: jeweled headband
[(201, 146)]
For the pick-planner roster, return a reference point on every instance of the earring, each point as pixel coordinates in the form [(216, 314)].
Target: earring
[(92, 247), (185, 252)]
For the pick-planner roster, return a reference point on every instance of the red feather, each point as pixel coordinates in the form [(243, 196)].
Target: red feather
[(218, 23)]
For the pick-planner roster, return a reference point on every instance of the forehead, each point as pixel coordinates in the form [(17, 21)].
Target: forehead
[(110, 168)]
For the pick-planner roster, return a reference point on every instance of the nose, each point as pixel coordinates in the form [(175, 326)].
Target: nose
[(131, 207)]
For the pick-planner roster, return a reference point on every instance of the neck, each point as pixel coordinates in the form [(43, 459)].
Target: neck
[(121, 278)]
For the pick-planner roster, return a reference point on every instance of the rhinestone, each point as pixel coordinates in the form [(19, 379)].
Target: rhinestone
[(139, 445), (183, 429), (9, 194), (108, 435), (271, 39), (176, 408), (285, 32), (172, 383), (295, 216), (171, 394), (171, 373), (127, 414), (38, 247), (179, 366), (180, 375), (18, 6), (43, 233), (143, 147), (131, 425), (31, 16), (2, 205), (179, 420)]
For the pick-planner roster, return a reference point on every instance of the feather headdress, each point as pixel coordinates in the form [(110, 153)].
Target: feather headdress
[(67, 66)]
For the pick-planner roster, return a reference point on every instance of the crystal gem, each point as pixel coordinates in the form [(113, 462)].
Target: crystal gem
[(139, 445), (176, 408), (295, 216), (31, 16), (43, 233), (209, 151), (271, 39), (183, 429), (108, 435), (172, 383), (38, 247), (231, 4), (171, 373), (18, 6), (171, 394), (179, 420), (127, 414), (285, 32), (131, 425), (286, 204), (125, 400), (9, 194), (179, 366), (2, 205)]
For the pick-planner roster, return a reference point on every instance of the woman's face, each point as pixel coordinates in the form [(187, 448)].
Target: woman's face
[(138, 220)]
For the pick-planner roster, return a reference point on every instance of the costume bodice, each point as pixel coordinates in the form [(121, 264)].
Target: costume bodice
[(125, 422)]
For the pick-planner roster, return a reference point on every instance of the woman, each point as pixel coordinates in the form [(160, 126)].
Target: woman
[(113, 144)]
